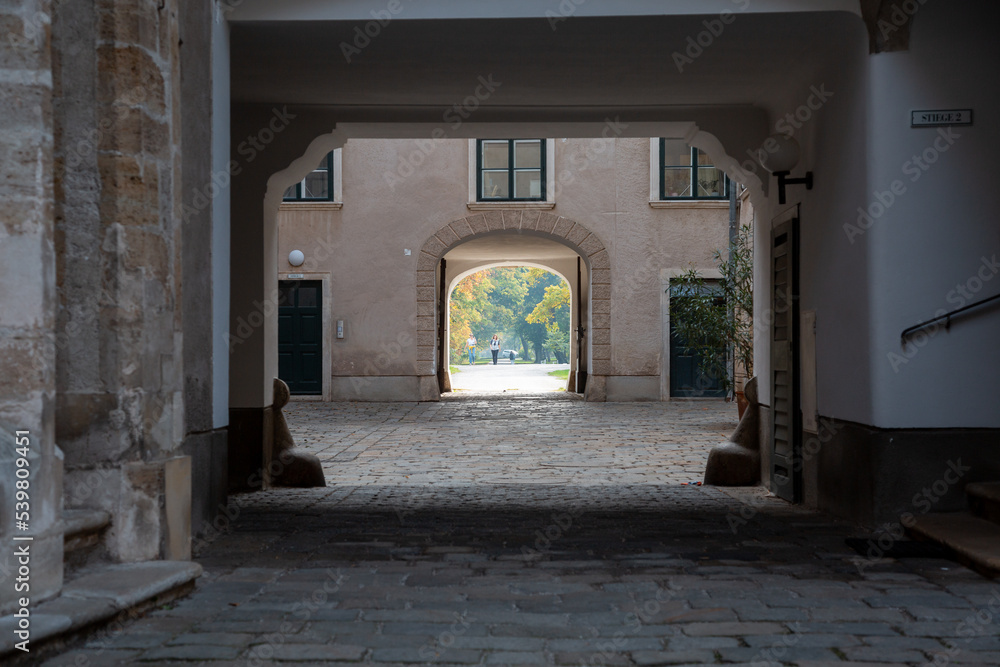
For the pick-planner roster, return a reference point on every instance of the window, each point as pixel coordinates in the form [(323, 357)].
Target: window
[(510, 169), (682, 165), (317, 186)]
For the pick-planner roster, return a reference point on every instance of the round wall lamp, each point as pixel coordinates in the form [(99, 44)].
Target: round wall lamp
[(781, 155), (296, 258)]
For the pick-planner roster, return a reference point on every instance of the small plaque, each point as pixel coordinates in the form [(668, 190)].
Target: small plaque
[(296, 276), (939, 117)]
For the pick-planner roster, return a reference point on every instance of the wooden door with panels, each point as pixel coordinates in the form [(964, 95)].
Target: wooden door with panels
[(786, 426), (300, 336)]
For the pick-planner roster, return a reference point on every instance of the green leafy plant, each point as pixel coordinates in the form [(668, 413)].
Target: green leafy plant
[(709, 320)]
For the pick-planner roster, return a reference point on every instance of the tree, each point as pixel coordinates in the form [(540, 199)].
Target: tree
[(534, 329), (708, 321), (553, 312), (469, 301), (558, 342), (506, 298)]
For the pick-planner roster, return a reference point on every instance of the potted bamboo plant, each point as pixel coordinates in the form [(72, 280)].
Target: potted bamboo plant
[(709, 319)]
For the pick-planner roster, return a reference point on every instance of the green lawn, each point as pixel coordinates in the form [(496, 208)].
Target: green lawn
[(564, 373)]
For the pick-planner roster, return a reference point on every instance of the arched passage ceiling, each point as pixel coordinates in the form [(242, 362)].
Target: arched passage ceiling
[(511, 248), (587, 67)]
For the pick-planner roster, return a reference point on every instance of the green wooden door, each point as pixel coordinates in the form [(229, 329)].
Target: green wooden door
[(300, 336), (687, 379)]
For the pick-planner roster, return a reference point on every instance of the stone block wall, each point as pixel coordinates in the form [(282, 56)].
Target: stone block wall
[(119, 329), (27, 295)]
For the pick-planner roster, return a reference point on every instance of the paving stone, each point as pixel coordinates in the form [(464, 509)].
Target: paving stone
[(127, 640), (600, 644), (891, 616), (731, 629), (214, 638), (883, 654), (923, 613), (919, 643), (682, 643), (811, 640), (385, 641), (97, 658), (515, 658), (987, 641), (500, 643), (774, 655), (320, 652), (540, 631), (432, 629), (849, 628), (783, 614), (689, 656), (459, 656), (975, 657), (189, 652), (339, 615), (930, 629), (154, 624), (591, 658)]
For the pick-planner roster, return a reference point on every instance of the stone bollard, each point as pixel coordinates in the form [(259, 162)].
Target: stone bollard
[(737, 462), (294, 467)]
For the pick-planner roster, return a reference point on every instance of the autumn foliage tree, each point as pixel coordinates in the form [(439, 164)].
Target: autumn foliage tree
[(468, 301), (553, 312)]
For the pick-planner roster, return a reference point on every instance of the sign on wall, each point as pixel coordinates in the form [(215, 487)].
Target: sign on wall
[(938, 117)]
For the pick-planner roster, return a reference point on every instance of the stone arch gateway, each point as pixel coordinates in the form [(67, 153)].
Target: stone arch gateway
[(529, 222)]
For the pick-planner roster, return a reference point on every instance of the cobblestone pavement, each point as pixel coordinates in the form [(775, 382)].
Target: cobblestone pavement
[(543, 532), (483, 439)]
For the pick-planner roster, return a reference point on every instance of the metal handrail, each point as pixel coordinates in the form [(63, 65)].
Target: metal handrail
[(946, 317)]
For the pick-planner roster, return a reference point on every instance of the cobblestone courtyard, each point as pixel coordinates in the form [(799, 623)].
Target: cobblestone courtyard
[(542, 531)]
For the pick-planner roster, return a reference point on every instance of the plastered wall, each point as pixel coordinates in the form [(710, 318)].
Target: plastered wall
[(602, 184)]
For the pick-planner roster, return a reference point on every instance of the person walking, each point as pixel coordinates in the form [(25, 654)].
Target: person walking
[(495, 348), (472, 349)]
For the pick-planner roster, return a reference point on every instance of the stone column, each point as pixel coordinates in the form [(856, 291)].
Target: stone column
[(27, 298), (120, 414)]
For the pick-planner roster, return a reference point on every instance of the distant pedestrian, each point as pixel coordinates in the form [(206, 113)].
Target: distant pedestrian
[(472, 349), (495, 348), (511, 354)]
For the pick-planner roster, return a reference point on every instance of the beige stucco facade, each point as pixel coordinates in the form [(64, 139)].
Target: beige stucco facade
[(397, 196)]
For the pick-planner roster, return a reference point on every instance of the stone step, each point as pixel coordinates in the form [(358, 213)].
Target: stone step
[(94, 598), (975, 542), (984, 500), (83, 528)]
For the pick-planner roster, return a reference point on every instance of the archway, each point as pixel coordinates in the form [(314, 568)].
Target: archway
[(594, 300), (255, 276), (466, 261)]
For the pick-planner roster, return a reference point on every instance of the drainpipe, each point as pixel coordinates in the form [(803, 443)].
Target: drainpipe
[(733, 234)]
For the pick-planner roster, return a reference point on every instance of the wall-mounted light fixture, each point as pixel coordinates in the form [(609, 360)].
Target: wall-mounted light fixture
[(781, 154), (296, 258)]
